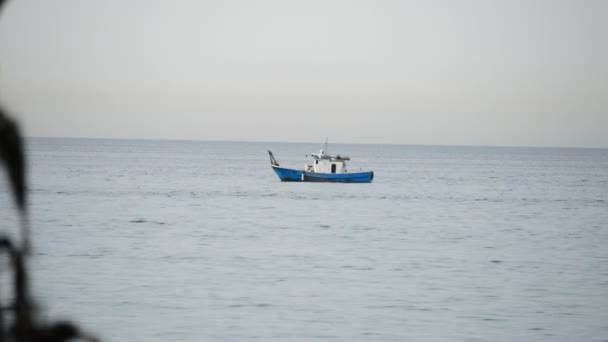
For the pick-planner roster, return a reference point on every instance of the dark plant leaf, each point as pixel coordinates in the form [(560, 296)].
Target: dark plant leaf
[(11, 153)]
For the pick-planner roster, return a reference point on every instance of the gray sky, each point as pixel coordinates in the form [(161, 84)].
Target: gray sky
[(417, 72)]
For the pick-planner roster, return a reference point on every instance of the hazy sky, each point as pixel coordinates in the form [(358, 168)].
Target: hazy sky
[(417, 72)]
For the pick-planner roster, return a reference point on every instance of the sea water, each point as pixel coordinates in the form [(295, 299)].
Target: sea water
[(200, 241)]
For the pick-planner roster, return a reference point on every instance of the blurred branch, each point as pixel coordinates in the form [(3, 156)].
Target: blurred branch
[(24, 327)]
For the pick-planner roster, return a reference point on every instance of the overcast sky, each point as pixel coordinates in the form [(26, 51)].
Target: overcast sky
[(415, 72)]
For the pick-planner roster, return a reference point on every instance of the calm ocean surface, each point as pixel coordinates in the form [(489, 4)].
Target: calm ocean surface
[(200, 241)]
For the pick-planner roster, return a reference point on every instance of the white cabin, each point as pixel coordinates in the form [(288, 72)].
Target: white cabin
[(324, 163)]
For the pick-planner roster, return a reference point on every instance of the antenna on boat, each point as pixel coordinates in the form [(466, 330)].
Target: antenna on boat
[(326, 146)]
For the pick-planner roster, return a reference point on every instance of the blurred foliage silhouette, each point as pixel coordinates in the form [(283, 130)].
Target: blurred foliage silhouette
[(18, 321)]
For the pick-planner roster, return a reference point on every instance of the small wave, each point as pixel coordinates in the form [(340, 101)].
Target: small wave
[(491, 319), (394, 197), (146, 221), (350, 267), (270, 194), (260, 305), (187, 257), (263, 207), (87, 255)]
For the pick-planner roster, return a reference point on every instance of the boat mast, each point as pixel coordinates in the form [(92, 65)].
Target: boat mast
[(326, 147)]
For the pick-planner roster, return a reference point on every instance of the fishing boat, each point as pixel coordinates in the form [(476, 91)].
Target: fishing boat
[(324, 168)]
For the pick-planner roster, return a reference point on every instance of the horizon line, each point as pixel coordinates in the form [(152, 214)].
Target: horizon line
[(311, 142)]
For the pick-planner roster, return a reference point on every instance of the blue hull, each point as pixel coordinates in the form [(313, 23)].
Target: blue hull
[(291, 175)]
